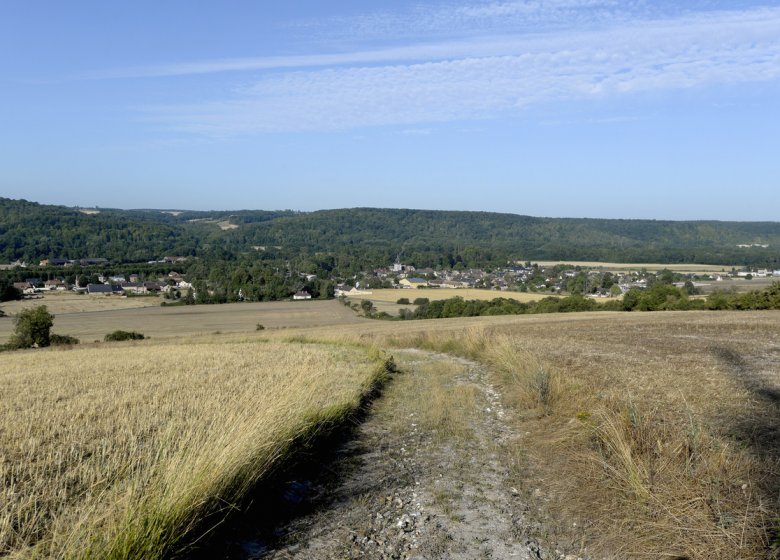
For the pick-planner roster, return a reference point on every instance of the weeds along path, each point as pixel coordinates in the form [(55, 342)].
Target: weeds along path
[(423, 478)]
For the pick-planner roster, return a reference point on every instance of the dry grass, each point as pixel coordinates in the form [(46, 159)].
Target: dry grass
[(432, 398), (656, 433), (123, 451)]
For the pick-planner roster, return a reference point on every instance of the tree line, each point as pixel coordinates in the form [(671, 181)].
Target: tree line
[(660, 297)]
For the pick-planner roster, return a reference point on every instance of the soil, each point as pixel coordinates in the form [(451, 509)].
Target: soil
[(394, 490)]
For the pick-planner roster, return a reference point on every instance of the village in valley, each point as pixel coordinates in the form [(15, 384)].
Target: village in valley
[(598, 280)]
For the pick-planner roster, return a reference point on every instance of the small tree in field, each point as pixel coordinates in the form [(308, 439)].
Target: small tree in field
[(33, 328)]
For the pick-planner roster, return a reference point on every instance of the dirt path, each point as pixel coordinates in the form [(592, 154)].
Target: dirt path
[(422, 479)]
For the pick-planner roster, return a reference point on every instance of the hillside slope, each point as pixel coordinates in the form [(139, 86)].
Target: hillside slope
[(32, 231)]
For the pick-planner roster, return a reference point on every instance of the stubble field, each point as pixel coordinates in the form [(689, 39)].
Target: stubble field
[(182, 321), (69, 302)]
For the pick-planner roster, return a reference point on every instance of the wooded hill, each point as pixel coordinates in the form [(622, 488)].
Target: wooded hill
[(373, 237)]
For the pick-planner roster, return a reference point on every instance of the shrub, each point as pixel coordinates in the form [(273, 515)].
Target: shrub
[(422, 301), (259, 327), (403, 301), (123, 335), (63, 339), (405, 314)]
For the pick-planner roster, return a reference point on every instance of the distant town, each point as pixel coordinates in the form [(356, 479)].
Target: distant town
[(548, 279)]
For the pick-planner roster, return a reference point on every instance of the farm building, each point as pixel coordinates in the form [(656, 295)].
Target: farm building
[(135, 287), (413, 282), (104, 289)]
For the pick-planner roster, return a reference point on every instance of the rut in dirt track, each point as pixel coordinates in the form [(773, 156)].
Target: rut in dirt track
[(402, 491)]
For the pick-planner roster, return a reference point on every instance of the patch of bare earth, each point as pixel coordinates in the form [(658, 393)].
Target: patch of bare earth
[(424, 477)]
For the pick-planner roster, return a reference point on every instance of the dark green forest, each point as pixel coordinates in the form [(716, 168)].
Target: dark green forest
[(350, 240)]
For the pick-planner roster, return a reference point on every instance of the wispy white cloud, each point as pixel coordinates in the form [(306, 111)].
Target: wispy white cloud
[(481, 28), (488, 78), (445, 19)]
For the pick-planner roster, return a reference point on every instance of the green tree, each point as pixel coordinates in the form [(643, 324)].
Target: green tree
[(367, 306), (577, 284), (32, 328), (666, 276), (8, 292)]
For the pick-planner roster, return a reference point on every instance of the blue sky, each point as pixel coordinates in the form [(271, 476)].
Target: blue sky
[(583, 108)]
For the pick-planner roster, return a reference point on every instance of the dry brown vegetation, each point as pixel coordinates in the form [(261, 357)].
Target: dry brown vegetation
[(434, 399), (656, 433), (117, 451)]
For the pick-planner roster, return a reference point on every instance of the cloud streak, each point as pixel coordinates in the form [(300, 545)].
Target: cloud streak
[(445, 19), (477, 78), (482, 29)]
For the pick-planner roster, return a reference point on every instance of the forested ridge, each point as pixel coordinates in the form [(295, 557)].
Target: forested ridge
[(367, 237)]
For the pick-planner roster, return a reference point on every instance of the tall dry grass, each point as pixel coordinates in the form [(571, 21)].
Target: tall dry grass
[(133, 451)]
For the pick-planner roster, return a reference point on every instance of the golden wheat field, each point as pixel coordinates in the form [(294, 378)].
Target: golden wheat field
[(121, 451)]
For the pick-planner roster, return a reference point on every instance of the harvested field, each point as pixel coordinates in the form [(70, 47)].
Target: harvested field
[(182, 321), (737, 285), (385, 300), (69, 302), (638, 435), (391, 296), (129, 451)]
